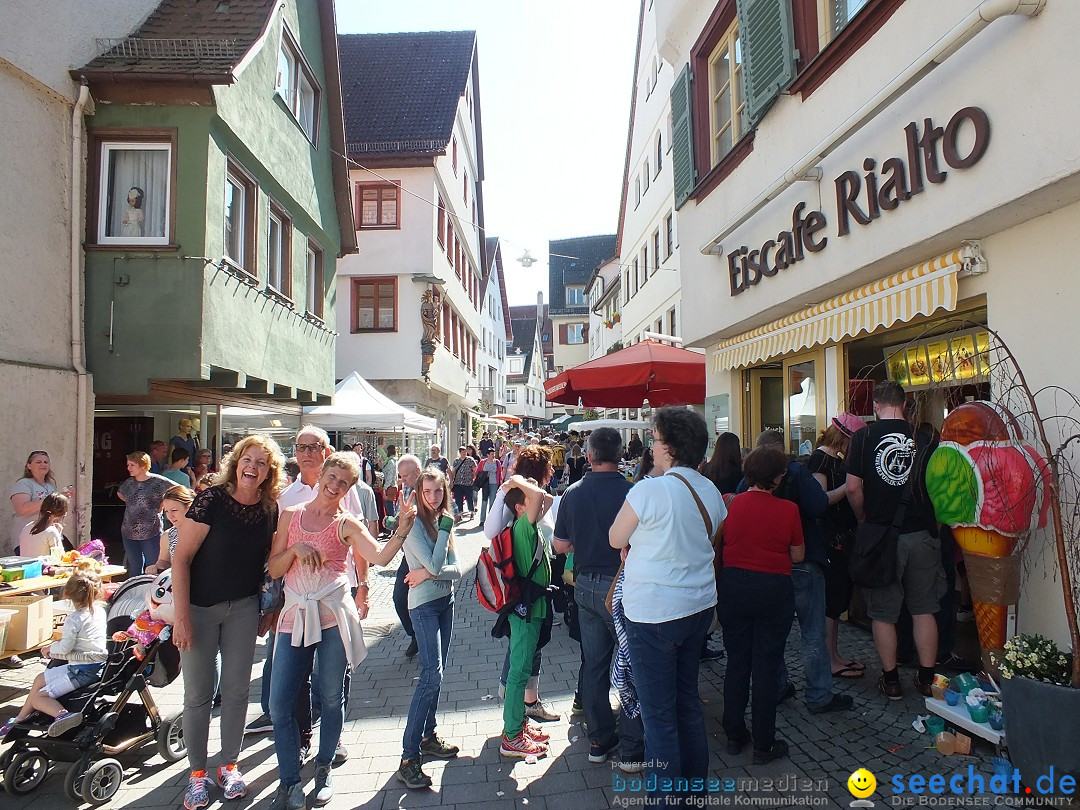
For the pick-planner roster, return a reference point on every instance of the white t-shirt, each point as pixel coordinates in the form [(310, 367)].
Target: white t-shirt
[(38, 545), (37, 492), (669, 570)]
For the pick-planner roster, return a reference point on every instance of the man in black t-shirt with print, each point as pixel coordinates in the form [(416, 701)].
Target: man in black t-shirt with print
[(879, 463)]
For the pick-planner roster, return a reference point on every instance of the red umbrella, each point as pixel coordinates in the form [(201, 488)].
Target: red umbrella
[(662, 374)]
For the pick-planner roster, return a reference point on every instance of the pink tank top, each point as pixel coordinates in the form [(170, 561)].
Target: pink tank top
[(302, 579)]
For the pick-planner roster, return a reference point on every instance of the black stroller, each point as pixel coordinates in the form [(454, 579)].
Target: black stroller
[(113, 723)]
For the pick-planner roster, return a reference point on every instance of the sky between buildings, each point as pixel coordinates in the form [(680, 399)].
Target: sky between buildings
[(555, 84)]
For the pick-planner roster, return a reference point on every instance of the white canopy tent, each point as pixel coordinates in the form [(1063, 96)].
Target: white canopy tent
[(358, 406), (618, 424)]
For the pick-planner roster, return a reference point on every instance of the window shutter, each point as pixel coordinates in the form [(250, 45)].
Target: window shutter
[(562, 334), (768, 45), (682, 137)]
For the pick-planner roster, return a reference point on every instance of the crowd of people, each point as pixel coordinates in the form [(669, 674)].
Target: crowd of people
[(641, 572)]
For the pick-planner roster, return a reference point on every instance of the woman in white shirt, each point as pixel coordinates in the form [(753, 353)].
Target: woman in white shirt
[(669, 591)]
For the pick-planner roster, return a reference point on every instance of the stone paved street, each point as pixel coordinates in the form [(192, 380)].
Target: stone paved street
[(877, 734)]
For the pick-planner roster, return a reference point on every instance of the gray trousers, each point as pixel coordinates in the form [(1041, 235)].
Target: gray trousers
[(229, 628)]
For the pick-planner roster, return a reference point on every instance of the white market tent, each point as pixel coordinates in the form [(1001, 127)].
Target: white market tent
[(618, 424), (358, 406)]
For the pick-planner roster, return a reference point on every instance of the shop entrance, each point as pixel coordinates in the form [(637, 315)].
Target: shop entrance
[(788, 396)]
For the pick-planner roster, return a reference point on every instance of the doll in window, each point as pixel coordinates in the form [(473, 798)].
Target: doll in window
[(131, 224)]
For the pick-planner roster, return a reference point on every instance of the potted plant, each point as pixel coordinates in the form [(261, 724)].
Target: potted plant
[(1042, 710)]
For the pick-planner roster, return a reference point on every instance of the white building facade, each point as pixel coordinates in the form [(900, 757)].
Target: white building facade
[(605, 320), (893, 204), (495, 333)]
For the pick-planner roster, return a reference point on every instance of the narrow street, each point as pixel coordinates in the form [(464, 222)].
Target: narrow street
[(826, 749)]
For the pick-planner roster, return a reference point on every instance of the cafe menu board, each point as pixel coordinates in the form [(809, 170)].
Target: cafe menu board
[(956, 358)]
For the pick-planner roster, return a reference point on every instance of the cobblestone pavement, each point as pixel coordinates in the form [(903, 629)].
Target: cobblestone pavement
[(876, 734)]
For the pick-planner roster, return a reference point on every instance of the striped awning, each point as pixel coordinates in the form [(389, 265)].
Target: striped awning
[(919, 290)]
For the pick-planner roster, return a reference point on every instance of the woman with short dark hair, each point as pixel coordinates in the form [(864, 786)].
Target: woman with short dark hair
[(762, 538), (669, 592)]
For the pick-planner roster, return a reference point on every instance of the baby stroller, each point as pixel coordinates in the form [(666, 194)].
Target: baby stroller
[(112, 722)]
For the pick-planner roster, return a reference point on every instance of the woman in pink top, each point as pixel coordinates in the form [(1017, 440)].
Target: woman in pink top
[(310, 548)]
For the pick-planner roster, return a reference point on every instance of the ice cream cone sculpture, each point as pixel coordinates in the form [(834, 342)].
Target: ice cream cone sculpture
[(991, 487)]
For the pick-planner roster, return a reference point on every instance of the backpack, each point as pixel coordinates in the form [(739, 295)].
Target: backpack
[(499, 587)]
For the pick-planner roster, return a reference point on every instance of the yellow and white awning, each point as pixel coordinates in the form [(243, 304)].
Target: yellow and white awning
[(919, 290)]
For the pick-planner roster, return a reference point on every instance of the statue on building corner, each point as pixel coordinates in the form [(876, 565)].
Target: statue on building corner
[(430, 308)]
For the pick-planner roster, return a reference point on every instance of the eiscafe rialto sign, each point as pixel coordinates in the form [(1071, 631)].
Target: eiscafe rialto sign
[(862, 198)]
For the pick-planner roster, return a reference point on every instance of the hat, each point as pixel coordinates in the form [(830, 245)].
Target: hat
[(848, 423)]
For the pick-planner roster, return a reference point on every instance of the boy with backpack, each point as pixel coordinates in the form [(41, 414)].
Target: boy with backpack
[(525, 498)]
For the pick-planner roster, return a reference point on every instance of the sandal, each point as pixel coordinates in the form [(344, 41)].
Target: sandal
[(849, 671)]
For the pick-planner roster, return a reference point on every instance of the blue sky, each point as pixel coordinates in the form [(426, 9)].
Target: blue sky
[(555, 83)]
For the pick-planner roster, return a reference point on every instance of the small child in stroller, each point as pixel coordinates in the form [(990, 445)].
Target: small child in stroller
[(82, 646)]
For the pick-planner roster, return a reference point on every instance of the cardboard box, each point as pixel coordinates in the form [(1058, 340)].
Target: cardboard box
[(32, 623)]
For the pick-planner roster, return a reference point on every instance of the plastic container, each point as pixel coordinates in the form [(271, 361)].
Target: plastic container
[(979, 714), (1002, 766), (937, 691), (935, 725), (946, 743), (964, 683), (5, 621), (952, 697), (996, 719)]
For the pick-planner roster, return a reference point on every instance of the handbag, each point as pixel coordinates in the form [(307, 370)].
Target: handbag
[(480, 483), (271, 594), (872, 563)]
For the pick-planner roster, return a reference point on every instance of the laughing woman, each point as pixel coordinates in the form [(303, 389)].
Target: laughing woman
[(311, 548), (429, 550), (217, 573)]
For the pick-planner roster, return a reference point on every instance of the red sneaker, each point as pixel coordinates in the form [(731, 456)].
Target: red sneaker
[(535, 733), (521, 746)]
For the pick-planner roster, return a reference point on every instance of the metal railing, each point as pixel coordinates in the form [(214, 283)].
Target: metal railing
[(164, 48)]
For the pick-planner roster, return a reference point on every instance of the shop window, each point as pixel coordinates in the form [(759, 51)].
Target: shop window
[(279, 251), (133, 175), (378, 205), (374, 304), (240, 191), (315, 281)]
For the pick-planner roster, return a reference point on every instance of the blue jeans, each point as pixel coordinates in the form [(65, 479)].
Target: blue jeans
[(291, 665), (665, 658), (434, 625), (597, 645), (141, 553), (809, 582), (488, 498), (303, 703), (756, 611)]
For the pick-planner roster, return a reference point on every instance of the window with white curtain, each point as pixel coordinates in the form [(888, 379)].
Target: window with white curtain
[(134, 195)]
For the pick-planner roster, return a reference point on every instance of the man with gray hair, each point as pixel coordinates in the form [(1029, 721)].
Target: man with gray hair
[(408, 471), (586, 513)]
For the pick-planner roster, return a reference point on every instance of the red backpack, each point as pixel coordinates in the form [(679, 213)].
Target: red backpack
[(498, 584)]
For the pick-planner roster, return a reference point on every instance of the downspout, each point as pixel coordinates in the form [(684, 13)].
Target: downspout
[(807, 167), (78, 348)]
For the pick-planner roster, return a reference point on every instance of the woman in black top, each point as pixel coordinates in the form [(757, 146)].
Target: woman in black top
[(724, 469), (827, 465), (217, 573), (575, 465)]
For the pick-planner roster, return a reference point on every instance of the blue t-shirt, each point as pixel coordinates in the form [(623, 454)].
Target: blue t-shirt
[(587, 510)]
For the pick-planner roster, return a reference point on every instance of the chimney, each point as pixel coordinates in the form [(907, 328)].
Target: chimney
[(540, 308)]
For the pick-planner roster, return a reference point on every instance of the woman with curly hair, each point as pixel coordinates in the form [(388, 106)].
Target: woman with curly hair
[(217, 572)]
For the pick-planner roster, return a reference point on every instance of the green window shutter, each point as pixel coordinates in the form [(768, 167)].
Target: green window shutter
[(768, 46), (682, 137)]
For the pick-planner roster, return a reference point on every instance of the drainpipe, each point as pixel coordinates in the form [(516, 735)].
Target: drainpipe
[(78, 348), (807, 167)]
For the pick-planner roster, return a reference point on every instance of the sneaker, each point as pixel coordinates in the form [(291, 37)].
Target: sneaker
[(736, 744), (341, 755), (65, 721), (539, 710), (12, 662), (435, 746), (288, 797), (521, 746), (779, 750), (712, 654), (324, 786), (837, 703), (890, 689), (4, 729), (413, 648), (305, 752), (260, 725), (577, 709), (788, 692), (920, 687), (535, 733), (600, 753), (231, 781), (411, 774), (631, 767), (196, 795)]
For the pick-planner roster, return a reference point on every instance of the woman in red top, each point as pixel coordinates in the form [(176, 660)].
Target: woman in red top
[(762, 538)]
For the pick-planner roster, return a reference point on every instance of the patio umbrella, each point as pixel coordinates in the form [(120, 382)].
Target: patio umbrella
[(662, 374)]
